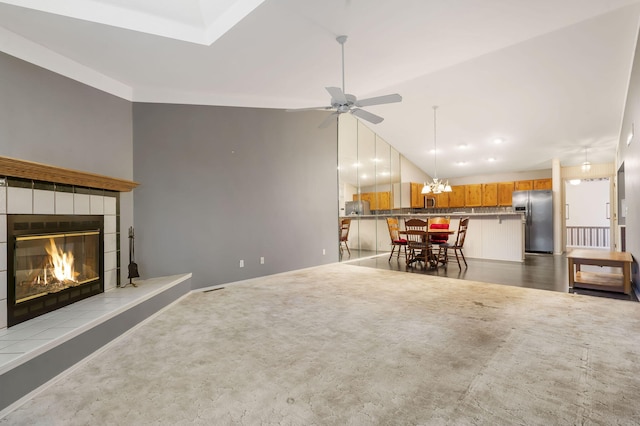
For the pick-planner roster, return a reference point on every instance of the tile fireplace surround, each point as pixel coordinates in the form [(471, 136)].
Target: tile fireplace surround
[(17, 200)]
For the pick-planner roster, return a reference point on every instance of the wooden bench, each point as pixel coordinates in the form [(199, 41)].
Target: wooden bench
[(600, 280)]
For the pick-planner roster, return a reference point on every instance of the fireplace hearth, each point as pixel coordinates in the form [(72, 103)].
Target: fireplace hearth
[(53, 261)]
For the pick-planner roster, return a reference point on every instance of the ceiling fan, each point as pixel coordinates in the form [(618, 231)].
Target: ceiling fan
[(342, 102)]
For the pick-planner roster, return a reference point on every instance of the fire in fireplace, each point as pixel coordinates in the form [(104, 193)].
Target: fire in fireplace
[(54, 261)]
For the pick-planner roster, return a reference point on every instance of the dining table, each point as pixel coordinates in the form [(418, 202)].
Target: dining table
[(420, 248)]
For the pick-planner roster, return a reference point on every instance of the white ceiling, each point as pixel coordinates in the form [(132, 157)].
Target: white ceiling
[(549, 77)]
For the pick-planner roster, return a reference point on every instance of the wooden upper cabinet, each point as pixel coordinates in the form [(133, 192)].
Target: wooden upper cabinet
[(383, 200), (543, 184), (377, 200), (417, 198), (456, 197), (490, 194), (505, 191), (367, 196), (473, 195), (442, 200), (523, 185)]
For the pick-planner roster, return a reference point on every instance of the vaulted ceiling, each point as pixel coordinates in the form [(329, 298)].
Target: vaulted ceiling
[(547, 77)]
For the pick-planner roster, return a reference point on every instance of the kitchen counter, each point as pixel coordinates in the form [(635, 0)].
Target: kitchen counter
[(495, 236)]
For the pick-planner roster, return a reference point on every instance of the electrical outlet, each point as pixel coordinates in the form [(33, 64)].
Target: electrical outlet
[(242, 263), (262, 260)]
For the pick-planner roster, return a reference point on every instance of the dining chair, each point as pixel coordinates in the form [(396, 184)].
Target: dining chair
[(345, 225), (436, 223), (417, 242), (457, 246), (436, 238), (396, 238)]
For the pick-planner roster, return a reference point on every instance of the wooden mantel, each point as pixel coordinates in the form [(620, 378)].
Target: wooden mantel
[(12, 167)]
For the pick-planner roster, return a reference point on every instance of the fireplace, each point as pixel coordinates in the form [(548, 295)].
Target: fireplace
[(53, 261)]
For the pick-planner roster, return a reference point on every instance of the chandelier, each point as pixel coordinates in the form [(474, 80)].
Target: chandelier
[(437, 186), (586, 166)]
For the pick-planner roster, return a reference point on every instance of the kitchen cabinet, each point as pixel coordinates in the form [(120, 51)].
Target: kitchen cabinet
[(490, 194), (383, 200), (366, 196), (523, 185), (542, 184), (456, 196), (473, 195), (417, 198), (377, 200), (442, 200), (505, 191)]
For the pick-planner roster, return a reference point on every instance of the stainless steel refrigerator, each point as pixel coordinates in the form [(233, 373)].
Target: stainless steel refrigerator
[(537, 207)]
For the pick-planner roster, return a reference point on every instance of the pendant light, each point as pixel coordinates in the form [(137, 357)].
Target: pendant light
[(437, 186), (586, 166)]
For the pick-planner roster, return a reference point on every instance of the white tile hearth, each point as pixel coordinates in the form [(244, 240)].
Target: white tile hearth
[(27, 340)]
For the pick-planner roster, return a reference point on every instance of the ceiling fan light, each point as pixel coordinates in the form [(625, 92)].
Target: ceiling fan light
[(426, 189), (447, 188)]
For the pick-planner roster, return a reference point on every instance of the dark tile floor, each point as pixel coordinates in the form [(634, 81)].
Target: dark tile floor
[(541, 271)]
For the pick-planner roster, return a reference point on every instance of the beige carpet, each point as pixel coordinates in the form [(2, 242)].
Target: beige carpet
[(346, 345)]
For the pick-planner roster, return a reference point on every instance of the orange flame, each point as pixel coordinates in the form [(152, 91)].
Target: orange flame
[(61, 262)]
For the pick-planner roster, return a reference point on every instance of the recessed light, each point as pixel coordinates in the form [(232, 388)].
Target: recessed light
[(463, 146), (491, 159), (497, 141), (461, 163)]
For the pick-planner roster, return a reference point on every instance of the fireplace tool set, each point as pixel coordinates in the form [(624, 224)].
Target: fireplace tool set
[(133, 266)]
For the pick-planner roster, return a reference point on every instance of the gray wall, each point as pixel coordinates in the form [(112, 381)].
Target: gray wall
[(221, 184), (51, 119), (630, 156)]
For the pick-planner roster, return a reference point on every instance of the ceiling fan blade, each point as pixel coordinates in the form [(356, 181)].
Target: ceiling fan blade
[(322, 108), (378, 100), (327, 121), (366, 115), (337, 94)]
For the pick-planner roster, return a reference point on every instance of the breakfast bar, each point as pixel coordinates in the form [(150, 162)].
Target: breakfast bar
[(494, 236)]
